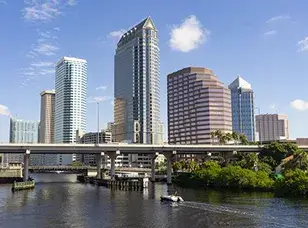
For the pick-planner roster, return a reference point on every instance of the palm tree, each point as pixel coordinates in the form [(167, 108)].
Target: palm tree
[(219, 135), (213, 136), (228, 137), (223, 139), (243, 139), (235, 137)]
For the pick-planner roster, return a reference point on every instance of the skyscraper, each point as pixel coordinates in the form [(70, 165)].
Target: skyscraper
[(23, 131), (198, 104), (47, 122), (70, 101), (136, 89), (47, 116), (242, 102), (272, 127)]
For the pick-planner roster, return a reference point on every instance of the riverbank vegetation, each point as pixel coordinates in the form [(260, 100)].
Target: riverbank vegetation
[(279, 167)]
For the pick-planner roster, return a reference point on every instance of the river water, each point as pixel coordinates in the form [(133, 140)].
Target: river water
[(59, 202)]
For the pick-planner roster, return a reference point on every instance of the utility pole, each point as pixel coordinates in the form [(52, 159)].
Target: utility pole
[(97, 123), (260, 138)]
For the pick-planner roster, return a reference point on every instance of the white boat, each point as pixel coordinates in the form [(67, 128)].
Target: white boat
[(171, 198)]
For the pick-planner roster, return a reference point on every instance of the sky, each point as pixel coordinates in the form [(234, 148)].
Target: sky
[(265, 42)]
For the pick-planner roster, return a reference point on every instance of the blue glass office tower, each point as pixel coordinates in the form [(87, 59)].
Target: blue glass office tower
[(242, 103), (136, 90), (136, 86), (23, 131)]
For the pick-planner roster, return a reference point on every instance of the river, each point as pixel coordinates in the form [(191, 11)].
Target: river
[(59, 202)]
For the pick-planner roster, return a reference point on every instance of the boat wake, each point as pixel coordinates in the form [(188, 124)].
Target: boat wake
[(235, 211)]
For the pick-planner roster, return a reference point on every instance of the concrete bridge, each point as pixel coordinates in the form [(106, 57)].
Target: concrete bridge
[(114, 149)]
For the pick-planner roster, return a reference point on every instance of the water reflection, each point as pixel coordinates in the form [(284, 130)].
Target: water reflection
[(58, 201)]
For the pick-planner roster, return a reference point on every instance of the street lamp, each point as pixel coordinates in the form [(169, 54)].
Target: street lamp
[(97, 123), (259, 113)]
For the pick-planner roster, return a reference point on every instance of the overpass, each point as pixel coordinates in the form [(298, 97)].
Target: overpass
[(114, 149)]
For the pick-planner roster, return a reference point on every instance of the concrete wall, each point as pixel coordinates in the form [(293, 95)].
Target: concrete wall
[(10, 172)]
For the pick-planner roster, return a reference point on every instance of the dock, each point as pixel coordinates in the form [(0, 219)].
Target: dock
[(134, 183), (17, 186)]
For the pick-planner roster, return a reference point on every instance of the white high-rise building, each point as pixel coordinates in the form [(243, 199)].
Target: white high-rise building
[(70, 102)]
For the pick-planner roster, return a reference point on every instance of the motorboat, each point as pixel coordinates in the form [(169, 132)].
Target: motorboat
[(171, 198)]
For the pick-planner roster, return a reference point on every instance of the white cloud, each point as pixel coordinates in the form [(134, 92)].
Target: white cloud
[(303, 45), (299, 104), (189, 35), (44, 10), (278, 18), (104, 87), (3, 2), (98, 99), (4, 110), (112, 102), (57, 29), (46, 71), (117, 34), (71, 2), (270, 33), (46, 49), (42, 64), (41, 10)]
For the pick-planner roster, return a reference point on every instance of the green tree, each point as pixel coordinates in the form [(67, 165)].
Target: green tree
[(300, 161), (193, 166), (295, 182), (235, 137), (76, 163), (213, 137), (274, 153), (243, 139), (219, 135), (176, 166), (229, 137), (208, 173)]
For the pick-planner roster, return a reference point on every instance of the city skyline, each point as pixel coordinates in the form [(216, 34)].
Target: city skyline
[(259, 61)]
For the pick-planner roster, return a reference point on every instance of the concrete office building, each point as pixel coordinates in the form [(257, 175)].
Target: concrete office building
[(23, 131), (47, 122), (136, 89), (272, 127), (242, 103), (70, 102), (198, 104), (93, 138)]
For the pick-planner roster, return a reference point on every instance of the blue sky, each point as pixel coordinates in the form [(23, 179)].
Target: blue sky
[(266, 42)]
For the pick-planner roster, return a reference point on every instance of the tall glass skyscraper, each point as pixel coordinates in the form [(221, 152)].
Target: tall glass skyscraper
[(23, 131), (70, 102), (136, 89), (242, 102)]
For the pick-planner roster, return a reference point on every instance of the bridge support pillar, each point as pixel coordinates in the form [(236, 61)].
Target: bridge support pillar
[(227, 156), (169, 157), (26, 165), (153, 157), (113, 157), (98, 165)]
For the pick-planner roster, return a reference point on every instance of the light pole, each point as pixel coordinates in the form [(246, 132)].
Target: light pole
[(260, 138), (97, 123)]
